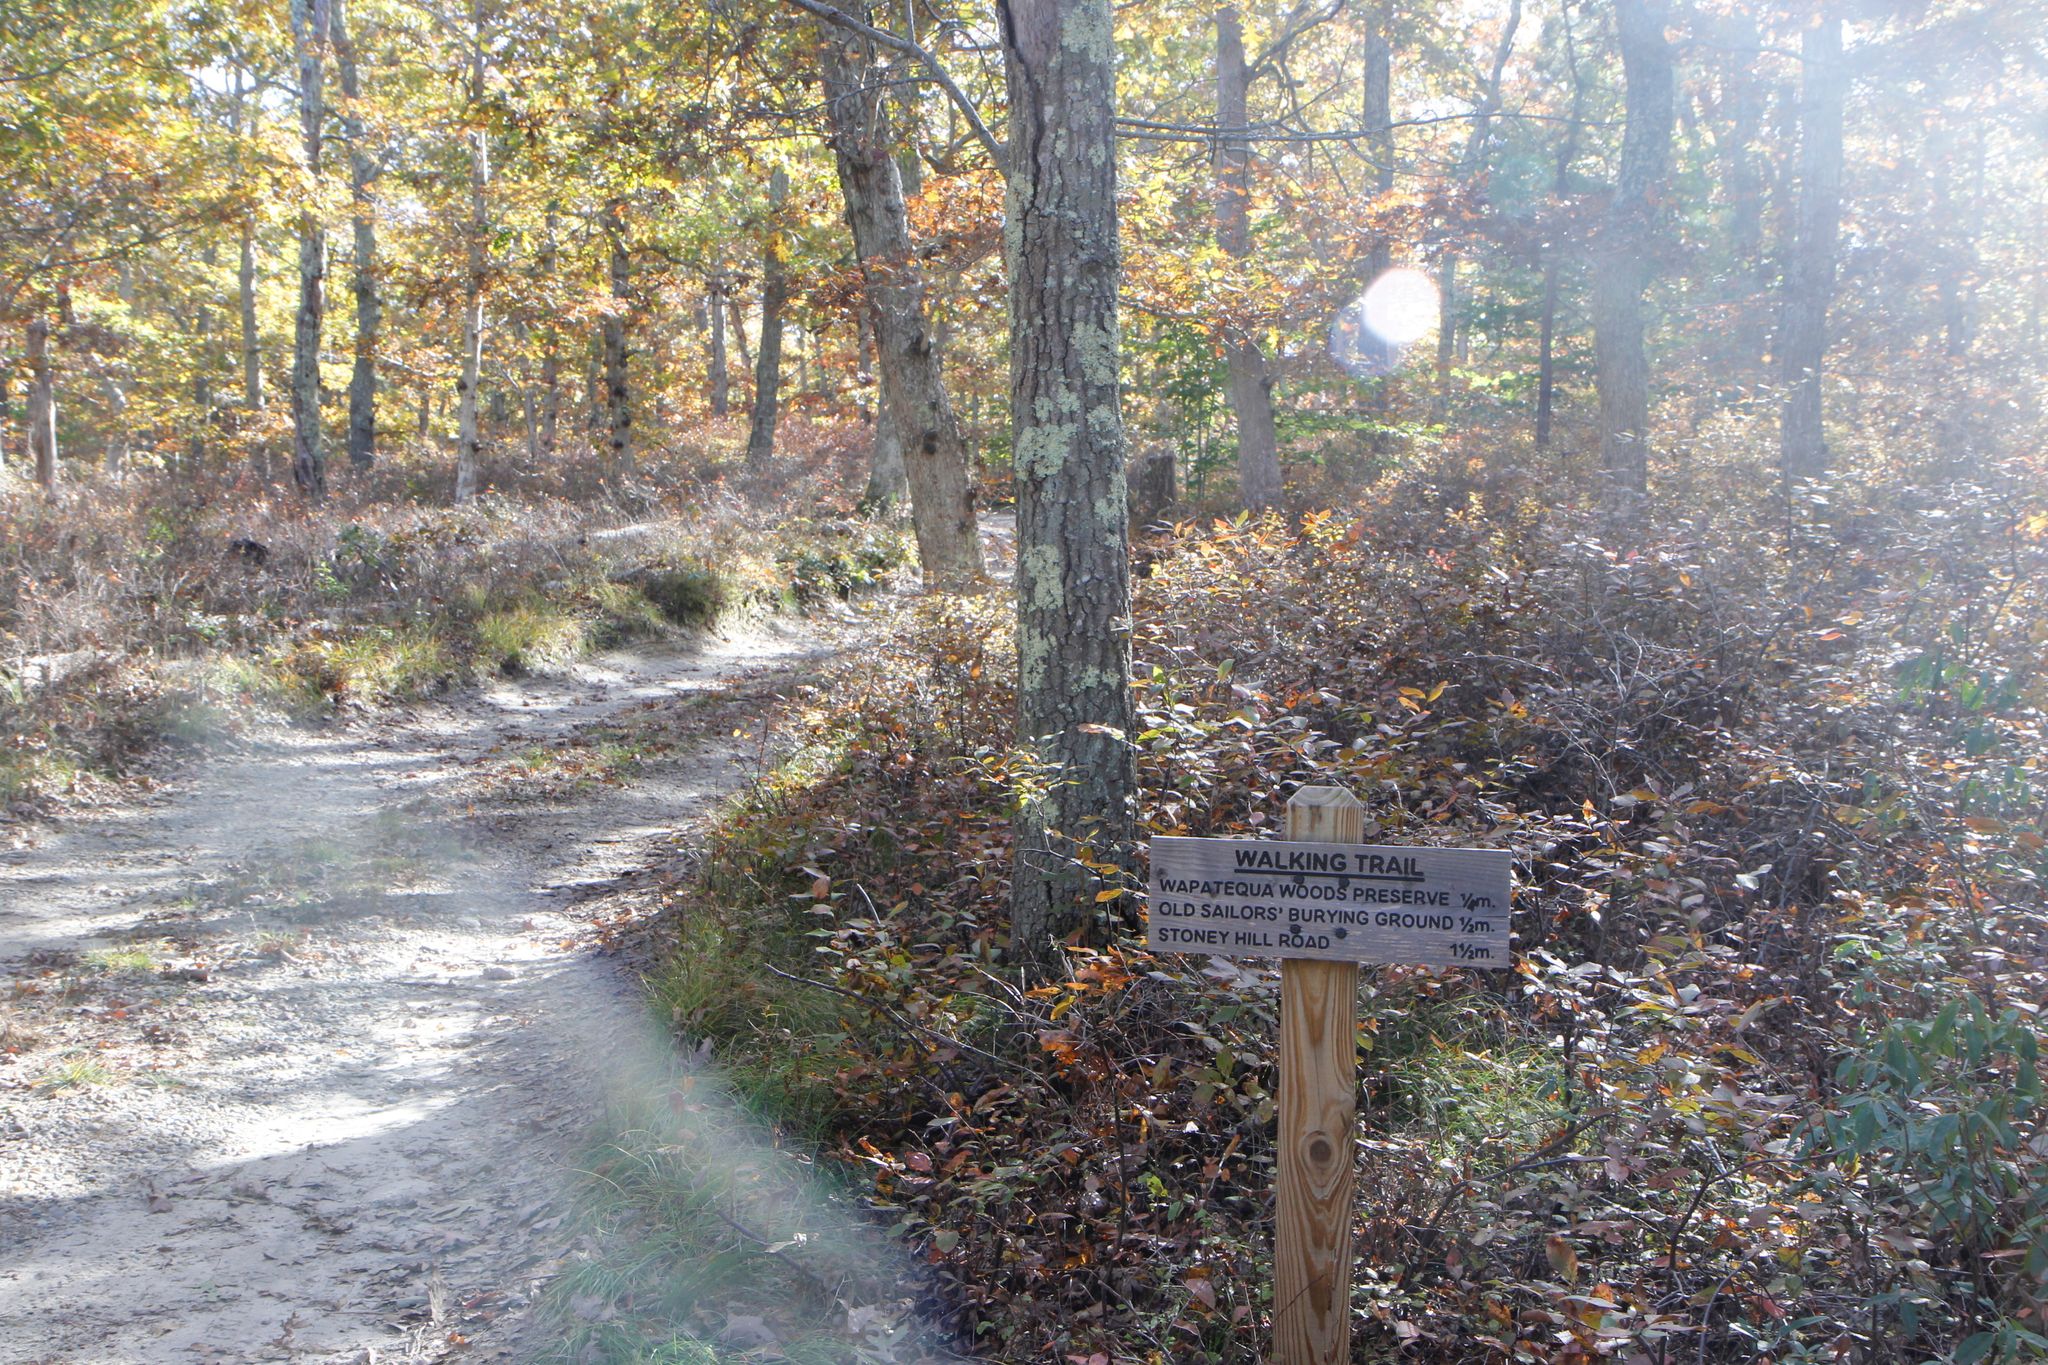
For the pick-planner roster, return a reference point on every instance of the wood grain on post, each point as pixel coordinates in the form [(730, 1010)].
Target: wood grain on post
[(1318, 1122)]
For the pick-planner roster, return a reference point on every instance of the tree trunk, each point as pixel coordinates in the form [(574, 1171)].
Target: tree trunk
[(1073, 561), (550, 358), (1627, 241), (42, 405), (1546, 355), (115, 460), (914, 400), (1471, 162), (888, 480), (529, 401), (309, 21), (1374, 356), (618, 398), (6, 409), (721, 384), (469, 441), (253, 402), (1560, 186), (202, 373), (1250, 378), (362, 169), (739, 330), (1810, 267), (774, 295)]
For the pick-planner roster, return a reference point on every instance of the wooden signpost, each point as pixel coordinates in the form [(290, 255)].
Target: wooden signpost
[(1323, 902)]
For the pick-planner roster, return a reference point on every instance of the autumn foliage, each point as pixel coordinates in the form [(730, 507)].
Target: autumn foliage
[(1763, 1083)]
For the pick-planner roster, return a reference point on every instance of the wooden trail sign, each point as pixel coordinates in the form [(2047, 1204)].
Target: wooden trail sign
[(1442, 907), (1324, 902)]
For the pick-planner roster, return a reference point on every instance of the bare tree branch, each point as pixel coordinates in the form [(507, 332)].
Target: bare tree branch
[(831, 14)]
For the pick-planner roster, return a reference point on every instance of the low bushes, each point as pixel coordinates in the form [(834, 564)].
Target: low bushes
[(1762, 1083)]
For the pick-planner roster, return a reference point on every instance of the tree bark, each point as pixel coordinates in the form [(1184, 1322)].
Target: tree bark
[(42, 405), (1250, 378), (309, 21), (618, 397), (721, 382), (1073, 564), (1810, 265), (774, 296), (1628, 240), (914, 401), (469, 442), (362, 169)]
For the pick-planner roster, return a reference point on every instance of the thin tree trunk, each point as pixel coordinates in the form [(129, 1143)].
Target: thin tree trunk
[(774, 295), (115, 460), (309, 21), (1073, 561), (1627, 241), (739, 330), (551, 357), (254, 405), (42, 405), (1546, 357), (1560, 185), (618, 397), (1250, 378), (1446, 333), (6, 408), (202, 373), (1375, 356), (914, 398), (721, 383), (1470, 163), (529, 401), (1810, 268), (362, 169), (469, 441)]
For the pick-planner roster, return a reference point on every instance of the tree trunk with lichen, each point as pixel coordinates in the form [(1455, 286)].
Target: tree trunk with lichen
[(1073, 567), (914, 404)]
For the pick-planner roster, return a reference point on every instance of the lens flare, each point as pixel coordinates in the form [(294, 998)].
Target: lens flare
[(1396, 310), (1400, 306)]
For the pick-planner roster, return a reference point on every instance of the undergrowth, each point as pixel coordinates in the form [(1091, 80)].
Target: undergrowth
[(137, 614), (1762, 1083)]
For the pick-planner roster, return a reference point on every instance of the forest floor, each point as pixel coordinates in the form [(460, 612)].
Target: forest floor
[(303, 1052)]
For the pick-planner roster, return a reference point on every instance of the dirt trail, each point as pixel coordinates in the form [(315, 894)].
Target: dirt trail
[(303, 1050)]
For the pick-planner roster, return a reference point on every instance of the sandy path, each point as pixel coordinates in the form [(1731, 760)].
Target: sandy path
[(336, 1098)]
